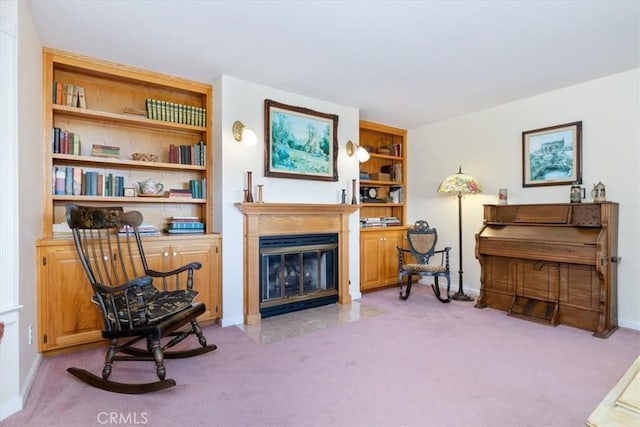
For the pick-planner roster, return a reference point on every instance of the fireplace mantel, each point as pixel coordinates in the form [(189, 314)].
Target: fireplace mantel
[(272, 219)]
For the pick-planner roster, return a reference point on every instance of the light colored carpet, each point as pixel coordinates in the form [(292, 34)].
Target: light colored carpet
[(414, 363)]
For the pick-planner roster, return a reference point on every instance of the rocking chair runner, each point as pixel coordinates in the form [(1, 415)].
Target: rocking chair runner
[(422, 242), (136, 303)]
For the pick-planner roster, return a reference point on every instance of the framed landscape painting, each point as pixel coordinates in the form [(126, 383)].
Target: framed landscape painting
[(300, 143), (552, 155)]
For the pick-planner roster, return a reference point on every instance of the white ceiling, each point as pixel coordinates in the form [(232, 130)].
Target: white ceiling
[(402, 63)]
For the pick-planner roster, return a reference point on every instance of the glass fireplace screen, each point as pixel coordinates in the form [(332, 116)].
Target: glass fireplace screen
[(298, 268)]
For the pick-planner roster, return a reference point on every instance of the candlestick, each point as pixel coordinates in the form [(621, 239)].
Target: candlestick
[(260, 193)]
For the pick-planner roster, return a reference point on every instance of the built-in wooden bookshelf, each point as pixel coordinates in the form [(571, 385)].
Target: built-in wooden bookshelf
[(386, 172), (110, 90), (114, 116)]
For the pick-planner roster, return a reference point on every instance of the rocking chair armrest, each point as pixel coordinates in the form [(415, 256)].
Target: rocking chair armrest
[(138, 281), (447, 249), (190, 266)]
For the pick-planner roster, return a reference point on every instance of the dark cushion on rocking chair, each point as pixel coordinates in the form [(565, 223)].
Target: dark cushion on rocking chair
[(418, 268), (157, 304)]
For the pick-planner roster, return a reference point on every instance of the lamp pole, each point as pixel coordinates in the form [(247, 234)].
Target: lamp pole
[(460, 295)]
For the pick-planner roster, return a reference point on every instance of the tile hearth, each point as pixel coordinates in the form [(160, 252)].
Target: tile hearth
[(299, 323)]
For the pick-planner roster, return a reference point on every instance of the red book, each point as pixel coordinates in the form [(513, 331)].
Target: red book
[(59, 92)]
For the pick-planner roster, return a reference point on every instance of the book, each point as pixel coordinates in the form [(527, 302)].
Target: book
[(91, 186), (186, 225), (68, 180), (59, 173), (184, 231), (74, 97), (135, 111), (68, 95), (184, 219), (82, 101), (77, 181), (59, 93), (56, 140), (76, 145)]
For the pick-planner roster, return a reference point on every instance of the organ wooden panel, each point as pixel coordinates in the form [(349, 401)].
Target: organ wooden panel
[(552, 263)]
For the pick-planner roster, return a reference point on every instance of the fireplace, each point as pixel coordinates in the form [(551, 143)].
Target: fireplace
[(291, 219), (297, 272)]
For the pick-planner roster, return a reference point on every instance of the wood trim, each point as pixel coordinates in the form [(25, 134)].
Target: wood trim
[(264, 219)]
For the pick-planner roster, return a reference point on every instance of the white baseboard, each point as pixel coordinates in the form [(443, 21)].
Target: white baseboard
[(31, 376), (630, 324)]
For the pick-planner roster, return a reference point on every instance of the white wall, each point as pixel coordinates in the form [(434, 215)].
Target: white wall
[(30, 159), (488, 145), (244, 101), (21, 202)]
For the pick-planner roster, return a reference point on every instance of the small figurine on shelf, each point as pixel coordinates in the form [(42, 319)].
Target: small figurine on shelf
[(598, 193)]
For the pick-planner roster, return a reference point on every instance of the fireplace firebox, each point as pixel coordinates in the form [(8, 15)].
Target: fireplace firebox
[(297, 272)]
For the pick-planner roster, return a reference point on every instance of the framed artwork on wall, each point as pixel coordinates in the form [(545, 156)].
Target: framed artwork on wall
[(300, 143), (552, 155)]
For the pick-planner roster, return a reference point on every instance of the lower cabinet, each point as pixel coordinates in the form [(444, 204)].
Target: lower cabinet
[(379, 258), (66, 315)]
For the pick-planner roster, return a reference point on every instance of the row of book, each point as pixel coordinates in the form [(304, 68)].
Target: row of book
[(68, 95), (176, 113), (188, 154), (74, 181), (185, 225), (379, 221), (65, 142), (198, 188)]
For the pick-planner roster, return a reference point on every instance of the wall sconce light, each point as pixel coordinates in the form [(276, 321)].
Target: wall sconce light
[(243, 134), (361, 153)]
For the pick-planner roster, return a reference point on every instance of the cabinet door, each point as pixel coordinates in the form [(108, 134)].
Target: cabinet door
[(371, 271), (66, 316), (203, 281), (390, 242)]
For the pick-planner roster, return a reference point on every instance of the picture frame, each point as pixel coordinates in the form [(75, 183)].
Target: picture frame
[(300, 143), (129, 192), (552, 155)]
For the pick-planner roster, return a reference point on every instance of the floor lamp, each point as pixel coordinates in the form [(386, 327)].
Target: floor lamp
[(460, 184)]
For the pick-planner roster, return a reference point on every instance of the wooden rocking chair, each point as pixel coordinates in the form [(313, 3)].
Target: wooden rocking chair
[(136, 303)]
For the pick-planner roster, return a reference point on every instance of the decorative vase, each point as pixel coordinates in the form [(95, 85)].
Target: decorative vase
[(249, 198), (354, 198)]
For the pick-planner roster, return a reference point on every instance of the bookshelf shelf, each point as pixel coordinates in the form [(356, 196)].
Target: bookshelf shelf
[(123, 119), (121, 200), (369, 182), (121, 163)]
